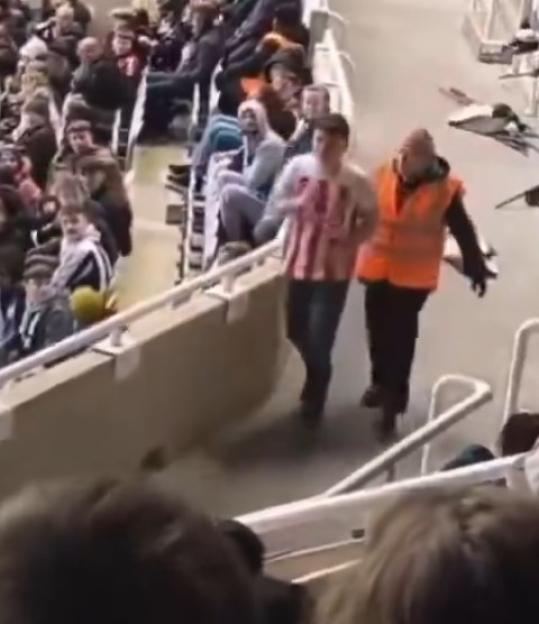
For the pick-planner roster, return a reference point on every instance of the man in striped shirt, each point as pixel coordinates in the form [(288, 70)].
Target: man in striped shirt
[(331, 208)]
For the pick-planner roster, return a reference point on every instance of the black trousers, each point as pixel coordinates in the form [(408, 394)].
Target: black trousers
[(392, 316), (314, 310)]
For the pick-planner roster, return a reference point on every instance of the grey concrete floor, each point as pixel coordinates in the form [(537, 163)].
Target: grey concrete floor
[(404, 50)]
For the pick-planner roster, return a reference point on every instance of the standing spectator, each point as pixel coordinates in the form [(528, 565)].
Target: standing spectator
[(418, 199), (48, 318), (81, 13), (246, 187), (332, 209)]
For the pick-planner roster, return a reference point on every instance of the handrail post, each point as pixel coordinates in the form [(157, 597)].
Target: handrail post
[(516, 369), (489, 23)]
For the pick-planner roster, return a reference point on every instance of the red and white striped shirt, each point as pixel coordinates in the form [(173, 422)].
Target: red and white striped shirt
[(333, 215)]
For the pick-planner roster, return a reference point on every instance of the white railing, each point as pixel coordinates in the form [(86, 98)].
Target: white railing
[(516, 370), (284, 518), (114, 328), (420, 438)]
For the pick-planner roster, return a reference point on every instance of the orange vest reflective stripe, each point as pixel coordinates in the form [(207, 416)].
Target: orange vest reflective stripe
[(407, 246)]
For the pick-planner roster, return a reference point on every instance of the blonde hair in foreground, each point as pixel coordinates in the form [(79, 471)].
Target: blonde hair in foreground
[(444, 557)]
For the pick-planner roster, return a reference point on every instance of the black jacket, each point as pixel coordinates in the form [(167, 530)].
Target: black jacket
[(200, 65), (102, 84), (40, 145)]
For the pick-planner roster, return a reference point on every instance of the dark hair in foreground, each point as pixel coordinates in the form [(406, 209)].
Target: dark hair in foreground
[(334, 124), (446, 557), (113, 553)]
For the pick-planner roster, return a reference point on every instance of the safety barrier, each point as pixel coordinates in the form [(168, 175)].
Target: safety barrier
[(115, 329), (419, 439)]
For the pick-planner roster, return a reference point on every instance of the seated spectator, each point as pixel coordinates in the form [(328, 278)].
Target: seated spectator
[(113, 552), (444, 556), (36, 136), (79, 142), (199, 59), (282, 121), (315, 103), (15, 16), (62, 33), (83, 260), (105, 183), (70, 189), (246, 186), (256, 24), (12, 301), (82, 15), (13, 228), (48, 318), (170, 37), (126, 57), (287, 73), (13, 159), (99, 79), (222, 134), (9, 54), (288, 32)]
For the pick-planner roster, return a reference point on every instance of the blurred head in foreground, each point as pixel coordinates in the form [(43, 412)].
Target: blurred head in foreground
[(445, 557), (115, 554)]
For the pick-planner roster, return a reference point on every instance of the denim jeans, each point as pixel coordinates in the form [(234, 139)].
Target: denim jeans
[(314, 310)]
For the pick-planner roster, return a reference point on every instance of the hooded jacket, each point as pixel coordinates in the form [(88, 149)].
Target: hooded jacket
[(260, 164)]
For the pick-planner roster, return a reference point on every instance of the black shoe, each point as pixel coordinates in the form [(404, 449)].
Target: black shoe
[(386, 428), (311, 413), (372, 397)]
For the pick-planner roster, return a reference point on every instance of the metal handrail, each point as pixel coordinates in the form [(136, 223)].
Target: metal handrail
[(516, 369), (316, 509), (434, 406), (114, 327), (386, 461)]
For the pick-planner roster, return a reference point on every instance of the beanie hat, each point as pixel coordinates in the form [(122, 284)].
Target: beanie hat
[(39, 266)]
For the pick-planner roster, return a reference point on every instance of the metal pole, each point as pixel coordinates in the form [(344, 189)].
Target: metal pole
[(489, 23)]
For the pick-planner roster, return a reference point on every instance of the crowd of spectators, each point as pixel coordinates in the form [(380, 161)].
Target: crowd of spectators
[(65, 215), (113, 551)]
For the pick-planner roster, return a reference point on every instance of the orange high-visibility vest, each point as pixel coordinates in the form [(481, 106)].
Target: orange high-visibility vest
[(407, 246)]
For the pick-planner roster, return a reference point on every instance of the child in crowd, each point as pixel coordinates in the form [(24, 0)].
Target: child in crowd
[(83, 260), (48, 318), (12, 302), (127, 59)]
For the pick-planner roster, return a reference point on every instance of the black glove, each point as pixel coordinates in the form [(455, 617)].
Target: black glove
[(479, 285)]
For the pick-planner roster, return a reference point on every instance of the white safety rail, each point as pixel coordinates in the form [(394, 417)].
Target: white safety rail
[(421, 438), (520, 353), (114, 328), (284, 519)]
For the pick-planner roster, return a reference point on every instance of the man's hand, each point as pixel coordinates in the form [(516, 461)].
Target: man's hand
[(479, 285)]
